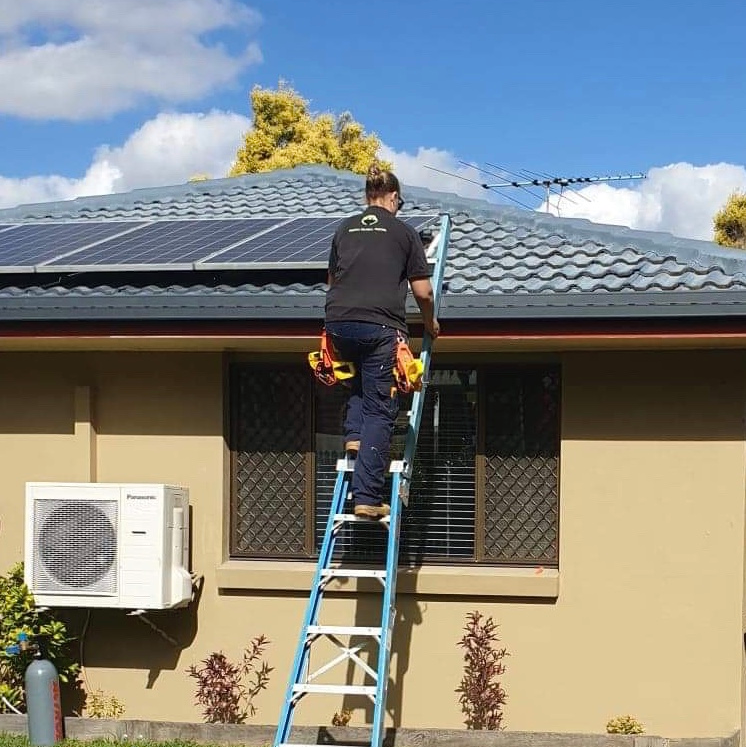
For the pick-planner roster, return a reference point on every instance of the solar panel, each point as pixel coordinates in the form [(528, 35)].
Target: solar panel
[(418, 221), (302, 242), (170, 244), (27, 245), (304, 239)]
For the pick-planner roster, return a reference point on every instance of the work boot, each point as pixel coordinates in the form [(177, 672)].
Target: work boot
[(352, 448), (372, 512)]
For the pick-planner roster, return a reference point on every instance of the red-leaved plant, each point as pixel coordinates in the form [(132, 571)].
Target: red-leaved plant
[(481, 695), (224, 698)]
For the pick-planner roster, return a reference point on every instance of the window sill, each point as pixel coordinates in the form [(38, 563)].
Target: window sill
[(260, 575)]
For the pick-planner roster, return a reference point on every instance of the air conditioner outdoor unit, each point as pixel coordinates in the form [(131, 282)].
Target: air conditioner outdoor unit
[(123, 545)]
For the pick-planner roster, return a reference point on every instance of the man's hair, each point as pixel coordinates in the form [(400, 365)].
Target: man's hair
[(380, 182)]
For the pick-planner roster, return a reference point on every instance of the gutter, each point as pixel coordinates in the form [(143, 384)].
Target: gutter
[(180, 306)]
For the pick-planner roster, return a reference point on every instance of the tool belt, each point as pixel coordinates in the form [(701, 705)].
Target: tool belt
[(329, 370)]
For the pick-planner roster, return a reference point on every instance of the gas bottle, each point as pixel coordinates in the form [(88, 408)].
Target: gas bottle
[(42, 682)]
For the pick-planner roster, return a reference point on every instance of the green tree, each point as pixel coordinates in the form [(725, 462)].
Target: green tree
[(286, 134), (730, 222)]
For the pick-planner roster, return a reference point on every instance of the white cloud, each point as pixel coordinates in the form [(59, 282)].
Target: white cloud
[(168, 149), (173, 147), (98, 180), (79, 59), (679, 198)]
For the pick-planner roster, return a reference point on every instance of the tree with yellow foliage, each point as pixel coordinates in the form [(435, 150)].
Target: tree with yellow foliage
[(286, 134), (730, 222)]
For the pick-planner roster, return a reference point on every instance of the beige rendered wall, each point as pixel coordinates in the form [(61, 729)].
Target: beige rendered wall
[(648, 619)]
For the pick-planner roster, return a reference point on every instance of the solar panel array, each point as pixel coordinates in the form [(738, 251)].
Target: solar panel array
[(206, 243)]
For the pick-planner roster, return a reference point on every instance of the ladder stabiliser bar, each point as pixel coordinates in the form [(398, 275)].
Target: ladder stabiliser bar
[(350, 640)]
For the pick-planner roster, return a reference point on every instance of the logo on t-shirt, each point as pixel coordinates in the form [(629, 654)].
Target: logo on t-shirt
[(368, 224)]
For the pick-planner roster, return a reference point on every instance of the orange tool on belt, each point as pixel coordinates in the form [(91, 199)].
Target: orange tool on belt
[(327, 369), (408, 370)]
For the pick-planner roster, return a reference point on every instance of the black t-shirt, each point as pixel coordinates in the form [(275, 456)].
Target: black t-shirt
[(373, 256)]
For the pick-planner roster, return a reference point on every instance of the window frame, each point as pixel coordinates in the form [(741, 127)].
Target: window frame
[(232, 376), (481, 465), (482, 367)]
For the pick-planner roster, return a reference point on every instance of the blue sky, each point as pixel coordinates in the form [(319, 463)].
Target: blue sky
[(110, 95)]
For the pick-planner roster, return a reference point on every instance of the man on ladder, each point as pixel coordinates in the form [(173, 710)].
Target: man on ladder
[(364, 344), (372, 258)]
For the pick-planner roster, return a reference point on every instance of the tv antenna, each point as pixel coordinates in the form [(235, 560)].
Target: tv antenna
[(525, 179)]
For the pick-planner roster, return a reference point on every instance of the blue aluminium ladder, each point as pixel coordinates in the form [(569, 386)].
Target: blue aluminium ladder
[(301, 682)]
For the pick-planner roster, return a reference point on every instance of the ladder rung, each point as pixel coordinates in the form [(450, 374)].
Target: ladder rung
[(361, 519), (336, 689), (343, 630), (352, 573), (348, 465)]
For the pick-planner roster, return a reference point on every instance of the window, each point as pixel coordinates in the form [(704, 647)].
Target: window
[(485, 485)]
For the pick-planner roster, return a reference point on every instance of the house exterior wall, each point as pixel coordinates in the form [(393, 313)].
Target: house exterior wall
[(645, 617)]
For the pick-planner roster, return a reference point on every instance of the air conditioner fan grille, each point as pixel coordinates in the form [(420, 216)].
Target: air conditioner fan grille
[(75, 543)]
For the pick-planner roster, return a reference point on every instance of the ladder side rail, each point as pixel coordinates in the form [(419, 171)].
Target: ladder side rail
[(300, 661), (418, 399), (388, 611)]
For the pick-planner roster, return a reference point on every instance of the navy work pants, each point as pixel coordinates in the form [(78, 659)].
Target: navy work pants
[(373, 404)]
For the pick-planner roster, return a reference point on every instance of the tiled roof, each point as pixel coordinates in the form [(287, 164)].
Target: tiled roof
[(501, 260)]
